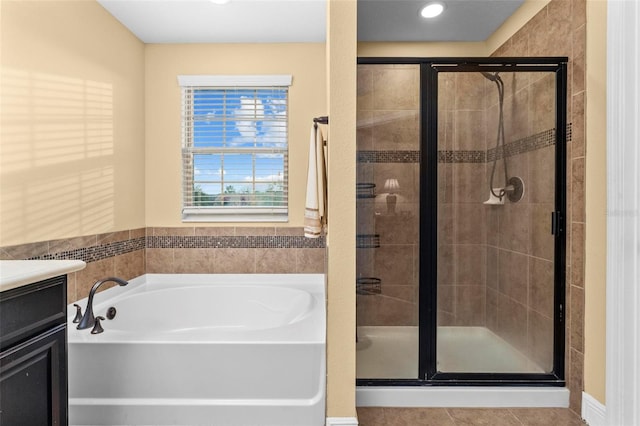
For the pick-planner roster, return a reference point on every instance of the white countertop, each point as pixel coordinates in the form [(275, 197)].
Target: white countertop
[(16, 273)]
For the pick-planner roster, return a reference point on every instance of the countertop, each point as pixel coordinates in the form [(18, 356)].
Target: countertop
[(16, 273)]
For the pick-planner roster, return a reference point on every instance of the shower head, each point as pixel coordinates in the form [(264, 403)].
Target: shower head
[(491, 77)]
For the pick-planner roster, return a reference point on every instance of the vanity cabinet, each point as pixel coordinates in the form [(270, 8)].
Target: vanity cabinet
[(33, 355)]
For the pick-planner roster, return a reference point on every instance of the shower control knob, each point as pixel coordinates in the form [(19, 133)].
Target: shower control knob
[(97, 328), (78, 316)]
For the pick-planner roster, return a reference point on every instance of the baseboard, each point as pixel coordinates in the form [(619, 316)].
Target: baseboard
[(593, 411), (342, 421)]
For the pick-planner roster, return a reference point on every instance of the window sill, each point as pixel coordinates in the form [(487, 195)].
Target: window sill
[(222, 217)]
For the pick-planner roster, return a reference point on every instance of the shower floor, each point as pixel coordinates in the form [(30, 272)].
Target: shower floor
[(392, 352)]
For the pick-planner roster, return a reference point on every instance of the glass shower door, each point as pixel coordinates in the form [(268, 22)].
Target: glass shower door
[(388, 144), (496, 198)]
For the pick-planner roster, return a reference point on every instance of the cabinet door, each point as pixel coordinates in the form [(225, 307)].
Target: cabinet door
[(33, 384)]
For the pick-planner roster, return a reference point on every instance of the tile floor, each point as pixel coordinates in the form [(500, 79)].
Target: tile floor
[(468, 417)]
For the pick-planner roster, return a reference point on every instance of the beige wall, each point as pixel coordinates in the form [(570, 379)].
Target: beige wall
[(72, 138), (596, 201), (164, 62), (341, 253)]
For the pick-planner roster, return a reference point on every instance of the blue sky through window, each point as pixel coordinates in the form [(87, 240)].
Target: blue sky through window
[(239, 140)]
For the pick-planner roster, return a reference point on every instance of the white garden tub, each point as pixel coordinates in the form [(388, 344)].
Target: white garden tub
[(203, 350)]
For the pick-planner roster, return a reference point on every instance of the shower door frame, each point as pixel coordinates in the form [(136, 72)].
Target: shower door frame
[(428, 321)]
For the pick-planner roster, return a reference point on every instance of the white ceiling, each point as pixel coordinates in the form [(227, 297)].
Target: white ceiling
[(462, 20), (272, 21)]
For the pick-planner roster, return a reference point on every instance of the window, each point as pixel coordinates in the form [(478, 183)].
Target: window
[(234, 148)]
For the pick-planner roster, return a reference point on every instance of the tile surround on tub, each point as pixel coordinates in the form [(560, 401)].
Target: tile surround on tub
[(131, 253)]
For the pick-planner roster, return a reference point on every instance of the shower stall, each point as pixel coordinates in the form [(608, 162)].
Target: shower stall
[(460, 212)]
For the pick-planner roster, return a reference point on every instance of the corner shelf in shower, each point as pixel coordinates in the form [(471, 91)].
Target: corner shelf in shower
[(365, 190), (368, 286)]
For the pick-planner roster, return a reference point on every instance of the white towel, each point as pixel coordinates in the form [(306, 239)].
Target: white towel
[(315, 206)]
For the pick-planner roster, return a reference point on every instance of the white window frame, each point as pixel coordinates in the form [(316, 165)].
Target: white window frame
[(240, 213)]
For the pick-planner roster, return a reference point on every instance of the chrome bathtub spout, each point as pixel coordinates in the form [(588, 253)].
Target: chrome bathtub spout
[(88, 320)]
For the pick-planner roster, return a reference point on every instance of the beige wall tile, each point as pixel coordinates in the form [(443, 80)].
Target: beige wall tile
[(470, 128), (469, 183), (512, 322), (394, 264), (310, 260), (469, 224), (540, 340), (275, 261), (138, 233), (71, 288), (541, 184), (492, 268), (395, 88), (512, 275), (396, 130), (255, 231), (577, 190), (68, 244), (577, 255), (194, 261), (470, 91), (514, 227), (470, 307), (129, 265), (159, 261), (577, 126), (297, 231), (577, 318), (385, 309), (24, 251), (541, 286), (575, 380), (215, 231), (542, 241), (235, 260), (543, 104), (470, 264)]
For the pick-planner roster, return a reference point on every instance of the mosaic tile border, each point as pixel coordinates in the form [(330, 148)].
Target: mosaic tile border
[(521, 146), (96, 253), (388, 156), (263, 241), (108, 250), (477, 156)]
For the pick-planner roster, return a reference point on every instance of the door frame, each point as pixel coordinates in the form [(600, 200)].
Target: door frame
[(429, 69)]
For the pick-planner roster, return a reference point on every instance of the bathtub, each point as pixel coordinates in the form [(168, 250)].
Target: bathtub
[(203, 350)]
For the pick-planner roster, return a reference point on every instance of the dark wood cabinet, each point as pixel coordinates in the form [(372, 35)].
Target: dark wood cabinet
[(33, 357)]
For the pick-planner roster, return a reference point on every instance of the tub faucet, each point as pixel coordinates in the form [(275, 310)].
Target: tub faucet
[(88, 320)]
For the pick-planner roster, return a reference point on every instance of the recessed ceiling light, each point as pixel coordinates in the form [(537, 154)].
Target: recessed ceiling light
[(220, 1), (432, 10)]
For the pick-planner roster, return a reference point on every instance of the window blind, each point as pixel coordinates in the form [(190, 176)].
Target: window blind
[(235, 151)]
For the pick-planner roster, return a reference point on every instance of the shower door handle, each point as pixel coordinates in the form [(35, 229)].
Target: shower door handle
[(556, 223)]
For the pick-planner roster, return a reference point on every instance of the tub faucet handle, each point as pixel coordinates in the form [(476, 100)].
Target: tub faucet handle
[(78, 316), (97, 328)]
